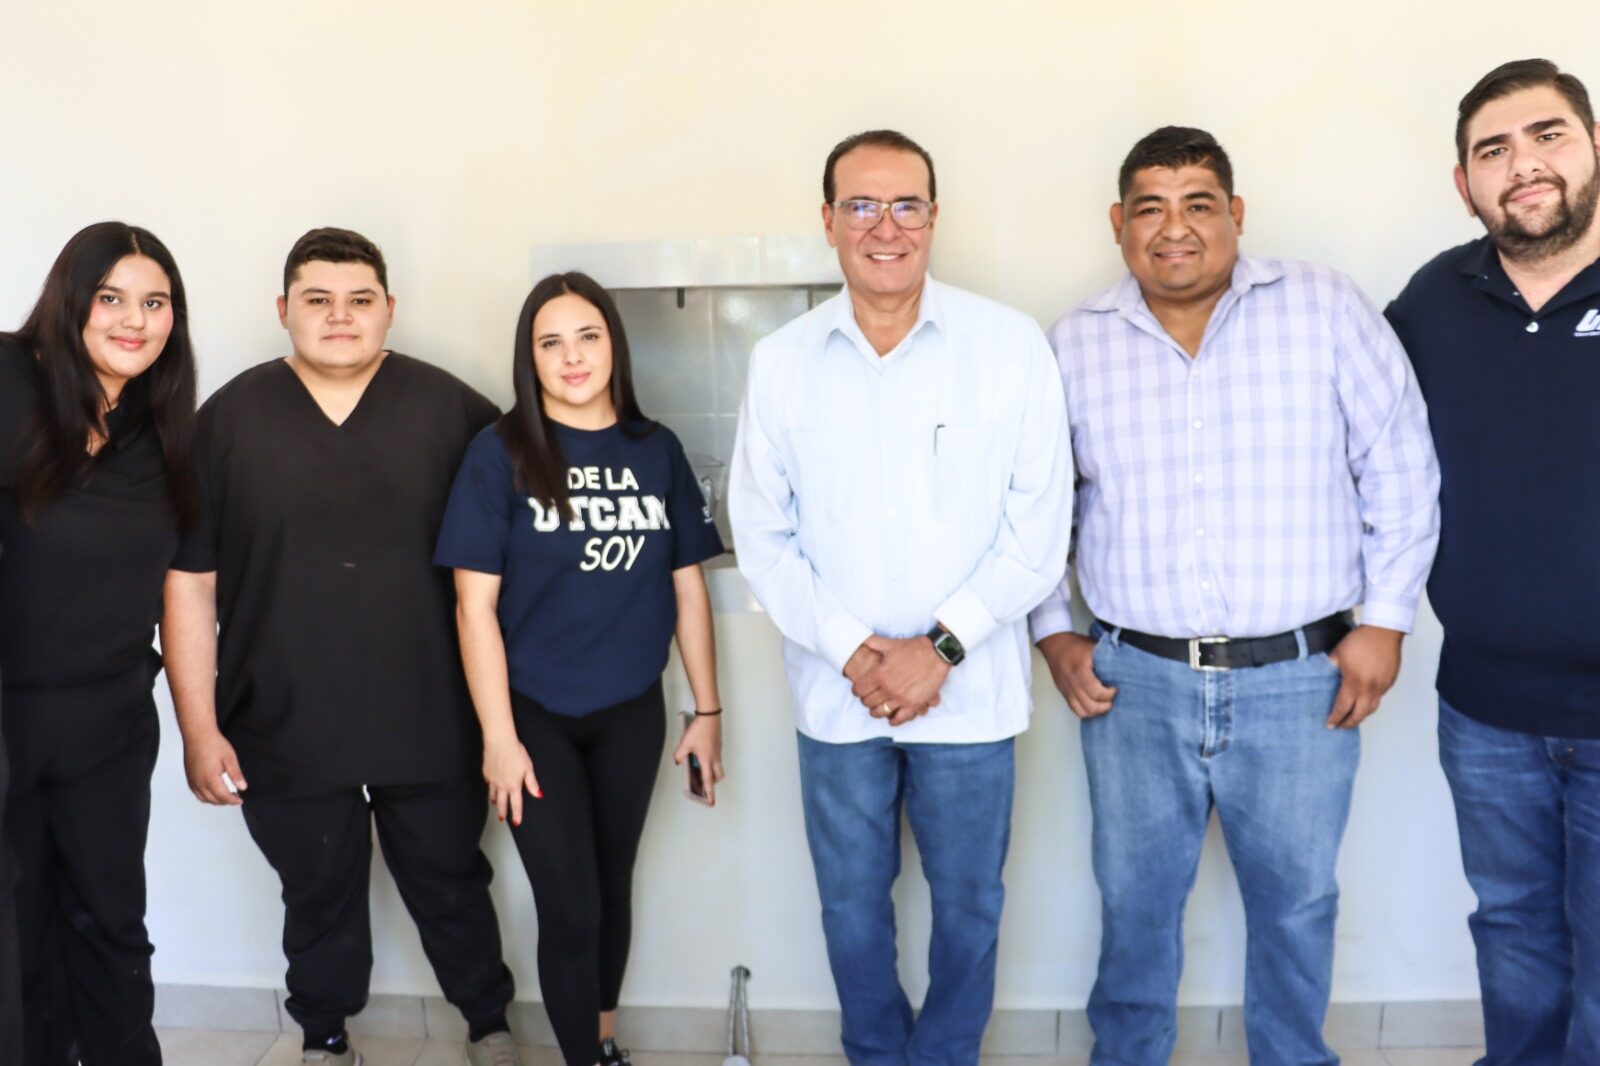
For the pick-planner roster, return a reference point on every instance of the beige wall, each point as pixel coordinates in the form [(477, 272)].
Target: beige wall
[(461, 140)]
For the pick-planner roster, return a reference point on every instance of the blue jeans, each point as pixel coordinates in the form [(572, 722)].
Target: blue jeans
[(1251, 743), (1528, 808), (958, 800)]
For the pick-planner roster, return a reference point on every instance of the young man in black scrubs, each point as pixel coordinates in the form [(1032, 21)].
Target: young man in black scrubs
[(323, 479)]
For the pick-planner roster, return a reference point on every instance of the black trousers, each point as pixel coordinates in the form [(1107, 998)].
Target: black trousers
[(10, 975), (318, 838), (77, 817), (578, 845)]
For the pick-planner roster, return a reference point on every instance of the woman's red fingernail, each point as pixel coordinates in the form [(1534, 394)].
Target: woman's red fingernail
[(538, 794)]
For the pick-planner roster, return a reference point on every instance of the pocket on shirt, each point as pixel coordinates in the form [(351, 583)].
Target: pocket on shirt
[(968, 477), (822, 474), (1298, 417)]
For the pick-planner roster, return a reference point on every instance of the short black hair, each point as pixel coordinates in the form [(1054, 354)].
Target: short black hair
[(875, 139), (329, 244), (1174, 147), (1513, 77)]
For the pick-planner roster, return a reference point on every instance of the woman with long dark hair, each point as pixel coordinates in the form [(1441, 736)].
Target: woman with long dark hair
[(97, 396), (576, 529)]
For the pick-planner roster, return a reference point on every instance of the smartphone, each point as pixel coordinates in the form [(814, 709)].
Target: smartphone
[(694, 780)]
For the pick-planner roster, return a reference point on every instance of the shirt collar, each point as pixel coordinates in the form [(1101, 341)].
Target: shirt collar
[(1480, 260), (930, 312), (1476, 257), (1126, 297)]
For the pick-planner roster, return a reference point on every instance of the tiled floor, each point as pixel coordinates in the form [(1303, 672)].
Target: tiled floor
[(210, 1047)]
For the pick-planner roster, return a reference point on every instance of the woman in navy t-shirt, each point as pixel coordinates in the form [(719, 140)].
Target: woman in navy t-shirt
[(576, 529)]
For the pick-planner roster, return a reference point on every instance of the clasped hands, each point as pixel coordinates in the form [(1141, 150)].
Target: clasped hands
[(897, 679)]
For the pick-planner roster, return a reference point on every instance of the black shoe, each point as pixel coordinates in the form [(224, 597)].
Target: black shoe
[(611, 1055)]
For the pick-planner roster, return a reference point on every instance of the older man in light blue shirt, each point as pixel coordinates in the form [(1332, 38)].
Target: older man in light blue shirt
[(1255, 461), (900, 497)]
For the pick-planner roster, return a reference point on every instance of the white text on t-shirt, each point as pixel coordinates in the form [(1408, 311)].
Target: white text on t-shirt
[(605, 514)]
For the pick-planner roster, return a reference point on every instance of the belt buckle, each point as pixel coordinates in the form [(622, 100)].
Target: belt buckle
[(1194, 653)]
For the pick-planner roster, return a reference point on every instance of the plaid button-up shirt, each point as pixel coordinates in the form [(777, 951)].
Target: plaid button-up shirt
[(1284, 473)]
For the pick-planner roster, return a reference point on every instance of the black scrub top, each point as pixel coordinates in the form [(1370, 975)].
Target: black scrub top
[(337, 659), (80, 586)]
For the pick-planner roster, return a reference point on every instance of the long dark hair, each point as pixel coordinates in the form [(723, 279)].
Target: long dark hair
[(71, 399), (541, 468)]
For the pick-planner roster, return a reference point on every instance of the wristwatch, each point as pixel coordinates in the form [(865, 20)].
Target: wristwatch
[(946, 645)]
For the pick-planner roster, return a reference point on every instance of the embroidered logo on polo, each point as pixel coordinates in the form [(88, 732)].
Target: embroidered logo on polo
[(1590, 326)]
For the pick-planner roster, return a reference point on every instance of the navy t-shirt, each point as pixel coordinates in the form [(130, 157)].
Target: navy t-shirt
[(587, 604)]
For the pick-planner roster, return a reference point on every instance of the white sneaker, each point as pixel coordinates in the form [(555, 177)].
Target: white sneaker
[(496, 1049)]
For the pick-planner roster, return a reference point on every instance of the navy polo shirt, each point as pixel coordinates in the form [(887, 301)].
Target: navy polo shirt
[(1514, 402)]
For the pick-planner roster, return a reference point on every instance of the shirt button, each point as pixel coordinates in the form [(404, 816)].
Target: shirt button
[(1199, 532), (1205, 584), (1197, 423), (1199, 479), (891, 512), (1533, 327)]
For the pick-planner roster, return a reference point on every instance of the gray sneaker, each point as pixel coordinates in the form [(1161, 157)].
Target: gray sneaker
[(348, 1057), (496, 1049)]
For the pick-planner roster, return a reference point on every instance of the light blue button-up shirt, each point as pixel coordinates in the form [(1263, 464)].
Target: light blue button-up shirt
[(879, 494)]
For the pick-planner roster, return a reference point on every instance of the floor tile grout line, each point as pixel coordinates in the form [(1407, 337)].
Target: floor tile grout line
[(424, 1045)]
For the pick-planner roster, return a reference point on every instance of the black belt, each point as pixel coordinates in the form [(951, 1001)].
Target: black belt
[(1225, 653)]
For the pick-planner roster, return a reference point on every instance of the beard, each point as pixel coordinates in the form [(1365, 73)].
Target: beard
[(1532, 240)]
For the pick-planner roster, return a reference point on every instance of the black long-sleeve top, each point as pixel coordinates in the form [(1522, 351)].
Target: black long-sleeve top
[(80, 585)]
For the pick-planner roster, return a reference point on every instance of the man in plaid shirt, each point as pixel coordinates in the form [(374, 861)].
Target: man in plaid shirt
[(1254, 462)]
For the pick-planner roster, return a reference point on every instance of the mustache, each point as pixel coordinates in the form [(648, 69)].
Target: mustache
[(1555, 181)]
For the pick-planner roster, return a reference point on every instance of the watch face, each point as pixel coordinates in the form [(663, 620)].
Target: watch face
[(949, 648)]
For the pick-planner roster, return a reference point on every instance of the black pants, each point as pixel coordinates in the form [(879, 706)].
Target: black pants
[(578, 844), (318, 838), (78, 814), (10, 976)]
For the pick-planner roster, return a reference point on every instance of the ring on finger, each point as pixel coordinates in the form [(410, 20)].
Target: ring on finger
[(886, 709)]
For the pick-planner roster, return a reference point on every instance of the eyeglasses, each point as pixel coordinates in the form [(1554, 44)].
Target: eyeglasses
[(864, 214)]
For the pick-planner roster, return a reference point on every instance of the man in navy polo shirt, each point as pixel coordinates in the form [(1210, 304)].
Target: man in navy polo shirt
[(1505, 336)]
